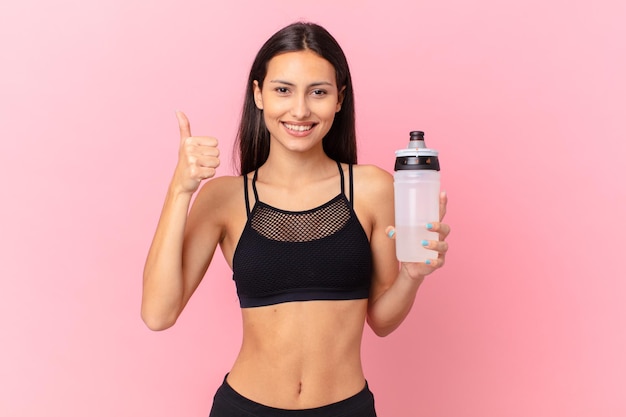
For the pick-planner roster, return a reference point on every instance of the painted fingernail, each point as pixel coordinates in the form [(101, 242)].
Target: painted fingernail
[(428, 262), (429, 226), (424, 243), (391, 233)]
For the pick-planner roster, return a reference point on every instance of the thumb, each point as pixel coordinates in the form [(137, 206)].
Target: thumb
[(183, 125), (443, 204), (390, 231)]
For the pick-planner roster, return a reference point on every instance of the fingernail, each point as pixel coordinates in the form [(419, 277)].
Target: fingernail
[(428, 262), (424, 243), (429, 226), (391, 233)]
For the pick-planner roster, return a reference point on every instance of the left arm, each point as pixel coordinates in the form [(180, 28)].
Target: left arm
[(394, 289)]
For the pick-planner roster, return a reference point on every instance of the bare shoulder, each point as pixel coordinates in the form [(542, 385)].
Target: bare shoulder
[(373, 196), (223, 185), (372, 182), (219, 195)]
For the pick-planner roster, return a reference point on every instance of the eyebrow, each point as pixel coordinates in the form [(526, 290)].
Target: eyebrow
[(315, 84)]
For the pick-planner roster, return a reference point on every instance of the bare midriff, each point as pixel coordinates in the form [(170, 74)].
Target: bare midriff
[(299, 355)]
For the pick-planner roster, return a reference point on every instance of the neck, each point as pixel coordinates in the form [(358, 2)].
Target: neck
[(297, 168)]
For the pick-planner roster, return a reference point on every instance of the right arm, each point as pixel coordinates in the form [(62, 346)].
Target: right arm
[(180, 254)]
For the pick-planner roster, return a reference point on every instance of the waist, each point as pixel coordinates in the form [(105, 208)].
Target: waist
[(296, 392), (301, 354), (359, 404)]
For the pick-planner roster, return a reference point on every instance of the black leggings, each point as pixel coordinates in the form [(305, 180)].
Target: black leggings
[(229, 403)]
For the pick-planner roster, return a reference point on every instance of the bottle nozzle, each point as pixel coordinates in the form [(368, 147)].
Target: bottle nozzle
[(417, 139)]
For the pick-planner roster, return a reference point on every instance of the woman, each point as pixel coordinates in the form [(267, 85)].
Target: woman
[(305, 231)]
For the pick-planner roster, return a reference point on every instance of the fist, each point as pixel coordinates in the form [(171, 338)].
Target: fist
[(198, 157)]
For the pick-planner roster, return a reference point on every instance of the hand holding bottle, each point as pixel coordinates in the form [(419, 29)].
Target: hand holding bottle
[(198, 158), (437, 247)]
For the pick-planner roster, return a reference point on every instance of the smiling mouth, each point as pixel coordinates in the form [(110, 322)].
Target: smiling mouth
[(299, 128)]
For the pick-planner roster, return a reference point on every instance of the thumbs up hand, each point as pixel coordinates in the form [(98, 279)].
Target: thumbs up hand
[(198, 157)]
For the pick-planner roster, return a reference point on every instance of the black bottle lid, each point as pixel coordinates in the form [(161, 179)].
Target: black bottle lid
[(417, 155)]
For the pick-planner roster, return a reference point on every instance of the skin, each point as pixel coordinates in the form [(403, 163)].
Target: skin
[(299, 354)]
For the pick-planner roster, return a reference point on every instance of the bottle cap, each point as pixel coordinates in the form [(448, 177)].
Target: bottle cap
[(417, 155)]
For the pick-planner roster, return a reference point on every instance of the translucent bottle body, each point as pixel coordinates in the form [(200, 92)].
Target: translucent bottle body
[(416, 204)]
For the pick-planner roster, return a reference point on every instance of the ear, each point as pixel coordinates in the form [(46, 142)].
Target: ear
[(340, 98), (258, 97)]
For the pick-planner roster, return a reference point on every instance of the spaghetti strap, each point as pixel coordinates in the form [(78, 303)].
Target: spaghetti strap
[(351, 186), (256, 194), (245, 193), (343, 188)]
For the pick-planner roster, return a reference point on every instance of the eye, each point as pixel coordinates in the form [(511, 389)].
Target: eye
[(282, 90), (319, 93)]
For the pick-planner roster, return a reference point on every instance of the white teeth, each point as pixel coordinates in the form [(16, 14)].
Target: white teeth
[(298, 128)]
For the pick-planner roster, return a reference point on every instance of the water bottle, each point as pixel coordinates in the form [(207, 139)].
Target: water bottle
[(416, 196)]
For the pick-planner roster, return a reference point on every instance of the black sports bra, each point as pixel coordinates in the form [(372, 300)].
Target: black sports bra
[(317, 254)]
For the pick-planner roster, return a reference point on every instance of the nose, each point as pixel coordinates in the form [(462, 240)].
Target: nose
[(300, 107)]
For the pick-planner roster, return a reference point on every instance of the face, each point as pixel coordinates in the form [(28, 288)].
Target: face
[(299, 100)]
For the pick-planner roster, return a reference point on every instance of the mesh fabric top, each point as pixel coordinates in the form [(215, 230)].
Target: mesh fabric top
[(286, 226), (317, 254)]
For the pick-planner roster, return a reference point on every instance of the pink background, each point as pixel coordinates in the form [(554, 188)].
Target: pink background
[(525, 100)]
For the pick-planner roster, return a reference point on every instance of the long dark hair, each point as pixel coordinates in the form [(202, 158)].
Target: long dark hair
[(253, 138)]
